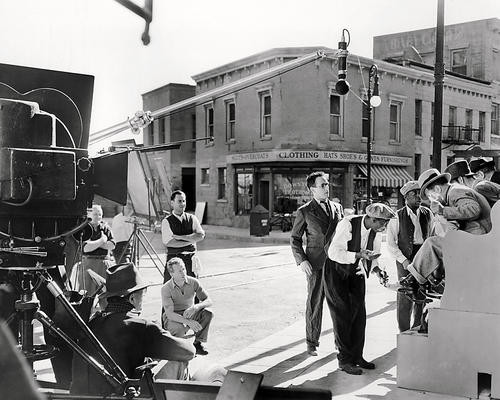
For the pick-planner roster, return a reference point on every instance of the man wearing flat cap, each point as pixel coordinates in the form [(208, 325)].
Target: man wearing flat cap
[(454, 202), (127, 337), (484, 171), (405, 235), (352, 256)]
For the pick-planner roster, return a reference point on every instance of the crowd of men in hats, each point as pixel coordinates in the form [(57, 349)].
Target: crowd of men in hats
[(341, 251)]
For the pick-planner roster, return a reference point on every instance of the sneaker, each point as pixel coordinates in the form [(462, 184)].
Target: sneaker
[(311, 350), (200, 349)]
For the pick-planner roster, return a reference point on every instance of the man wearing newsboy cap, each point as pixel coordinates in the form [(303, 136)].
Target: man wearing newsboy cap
[(127, 337), (352, 255), (454, 202), (405, 235)]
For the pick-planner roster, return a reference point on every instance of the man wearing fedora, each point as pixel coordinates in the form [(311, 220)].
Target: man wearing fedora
[(454, 202), (353, 254), (127, 337), (483, 184), (405, 235)]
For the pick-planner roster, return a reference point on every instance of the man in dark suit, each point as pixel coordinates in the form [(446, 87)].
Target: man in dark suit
[(317, 219)]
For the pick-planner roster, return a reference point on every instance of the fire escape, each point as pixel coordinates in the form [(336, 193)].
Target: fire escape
[(462, 136)]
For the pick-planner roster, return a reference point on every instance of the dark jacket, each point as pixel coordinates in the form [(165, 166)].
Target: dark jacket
[(312, 220), (128, 339)]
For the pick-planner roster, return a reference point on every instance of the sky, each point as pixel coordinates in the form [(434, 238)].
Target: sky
[(102, 38)]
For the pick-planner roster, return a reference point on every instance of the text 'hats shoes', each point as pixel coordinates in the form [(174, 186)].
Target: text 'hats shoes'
[(351, 369), (365, 364), (311, 350), (200, 349)]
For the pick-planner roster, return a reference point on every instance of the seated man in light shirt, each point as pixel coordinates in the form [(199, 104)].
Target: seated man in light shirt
[(180, 311)]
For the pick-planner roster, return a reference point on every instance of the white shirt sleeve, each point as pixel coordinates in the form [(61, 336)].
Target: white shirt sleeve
[(338, 247), (197, 226), (392, 240), (377, 244), (166, 232)]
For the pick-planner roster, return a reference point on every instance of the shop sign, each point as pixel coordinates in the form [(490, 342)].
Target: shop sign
[(315, 155)]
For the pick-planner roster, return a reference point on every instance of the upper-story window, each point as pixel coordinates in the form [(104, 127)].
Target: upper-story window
[(161, 139), (365, 124), (468, 118), (209, 120), (452, 116), (482, 121), (335, 115), (395, 121), (151, 134), (230, 120), (265, 113), (459, 61), (495, 119), (418, 117)]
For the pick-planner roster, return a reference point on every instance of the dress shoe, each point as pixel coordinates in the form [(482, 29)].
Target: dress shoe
[(351, 369), (200, 349), (311, 350), (365, 364)]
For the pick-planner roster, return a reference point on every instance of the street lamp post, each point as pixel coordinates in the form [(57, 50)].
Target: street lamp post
[(373, 101)]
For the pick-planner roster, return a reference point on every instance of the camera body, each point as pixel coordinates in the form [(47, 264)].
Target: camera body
[(46, 175)]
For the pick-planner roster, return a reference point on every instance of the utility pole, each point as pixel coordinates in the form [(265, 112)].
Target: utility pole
[(438, 88)]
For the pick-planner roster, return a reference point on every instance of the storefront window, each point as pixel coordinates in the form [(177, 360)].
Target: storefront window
[(244, 193)]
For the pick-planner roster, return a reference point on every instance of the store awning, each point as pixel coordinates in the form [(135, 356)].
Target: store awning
[(387, 175)]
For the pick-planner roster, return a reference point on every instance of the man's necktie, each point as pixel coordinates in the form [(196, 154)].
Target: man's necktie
[(326, 207)]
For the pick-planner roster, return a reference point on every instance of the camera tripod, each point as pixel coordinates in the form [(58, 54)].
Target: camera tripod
[(27, 309), (137, 239)]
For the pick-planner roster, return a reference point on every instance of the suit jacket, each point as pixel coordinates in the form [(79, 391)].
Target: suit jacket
[(469, 208), (319, 230)]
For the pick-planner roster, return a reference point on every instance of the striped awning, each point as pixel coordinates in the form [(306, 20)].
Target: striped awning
[(387, 175)]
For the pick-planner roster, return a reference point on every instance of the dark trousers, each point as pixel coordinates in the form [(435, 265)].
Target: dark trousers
[(204, 317), (314, 307), (345, 296), (406, 307), (188, 261)]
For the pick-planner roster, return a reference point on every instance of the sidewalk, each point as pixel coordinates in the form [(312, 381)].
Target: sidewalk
[(284, 362)]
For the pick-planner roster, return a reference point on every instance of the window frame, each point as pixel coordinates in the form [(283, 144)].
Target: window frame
[(482, 126), (264, 117), (221, 183), (495, 119), (397, 123), (162, 130), (209, 125), (230, 123), (418, 117), (339, 116), (205, 176)]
